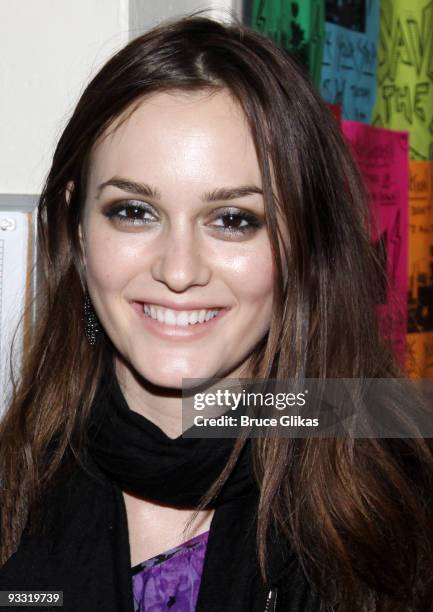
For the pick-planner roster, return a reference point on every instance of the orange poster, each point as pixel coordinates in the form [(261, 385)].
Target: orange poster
[(420, 326)]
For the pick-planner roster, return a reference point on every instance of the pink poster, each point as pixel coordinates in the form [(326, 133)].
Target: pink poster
[(382, 156)]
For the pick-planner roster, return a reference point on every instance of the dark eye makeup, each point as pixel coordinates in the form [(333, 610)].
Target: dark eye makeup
[(137, 213)]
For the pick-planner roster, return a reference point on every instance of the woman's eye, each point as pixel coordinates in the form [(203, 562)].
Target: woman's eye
[(136, 213), (131, 213), (236, 222)]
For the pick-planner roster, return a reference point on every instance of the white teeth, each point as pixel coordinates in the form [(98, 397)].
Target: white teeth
[(170, 317), (193, 317), (181, 318)]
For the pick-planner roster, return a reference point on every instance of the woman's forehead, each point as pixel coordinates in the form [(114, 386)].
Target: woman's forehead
[(176, 105), (176, 136)]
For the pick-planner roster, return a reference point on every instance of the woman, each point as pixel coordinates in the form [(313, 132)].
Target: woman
[(203, 208)]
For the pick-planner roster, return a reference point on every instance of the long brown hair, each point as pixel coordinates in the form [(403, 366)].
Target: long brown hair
[(351, 509)]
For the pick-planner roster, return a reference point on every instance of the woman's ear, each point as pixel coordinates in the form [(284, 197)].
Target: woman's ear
[(68, 195), (83, 248), (68, 191), (82, 260), (82, 255)]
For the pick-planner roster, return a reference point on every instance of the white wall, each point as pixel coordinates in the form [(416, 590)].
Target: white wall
[(49, 48), (145, 14), (48, 51)]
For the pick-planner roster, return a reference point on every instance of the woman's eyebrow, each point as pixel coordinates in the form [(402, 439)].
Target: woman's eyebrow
[(147, 191), (130, 186), (230, 193)]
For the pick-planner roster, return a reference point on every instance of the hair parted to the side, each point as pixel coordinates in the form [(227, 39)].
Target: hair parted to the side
[(352, 512)]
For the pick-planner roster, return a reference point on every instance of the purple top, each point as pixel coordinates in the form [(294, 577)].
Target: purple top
[(170, 580)]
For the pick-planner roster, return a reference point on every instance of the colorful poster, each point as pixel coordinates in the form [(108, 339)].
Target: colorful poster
[(298, 27), (350, 56), (420, 323), (382, 156), (405, 72), (336, 112)]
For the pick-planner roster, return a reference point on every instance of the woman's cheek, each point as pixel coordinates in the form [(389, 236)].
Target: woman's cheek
[(110, 262)]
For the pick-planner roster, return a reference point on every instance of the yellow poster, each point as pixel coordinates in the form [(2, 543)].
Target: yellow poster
[(420, 326), (405, 72)]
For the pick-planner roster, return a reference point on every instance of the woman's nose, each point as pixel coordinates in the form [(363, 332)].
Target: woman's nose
[(178, 260)]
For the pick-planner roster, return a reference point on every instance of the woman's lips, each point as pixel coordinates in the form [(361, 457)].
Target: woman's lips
[(173, 332)]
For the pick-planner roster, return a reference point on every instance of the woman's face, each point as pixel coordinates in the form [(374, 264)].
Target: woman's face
[(173, 230)]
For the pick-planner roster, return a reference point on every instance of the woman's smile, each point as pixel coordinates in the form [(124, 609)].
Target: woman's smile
[(178, 324)]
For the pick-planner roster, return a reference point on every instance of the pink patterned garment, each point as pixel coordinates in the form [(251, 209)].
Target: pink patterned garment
[(170, 580)]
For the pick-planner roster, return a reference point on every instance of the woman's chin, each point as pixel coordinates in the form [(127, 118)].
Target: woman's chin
[(187, 379)]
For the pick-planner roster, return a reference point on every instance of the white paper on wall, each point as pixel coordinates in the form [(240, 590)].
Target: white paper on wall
[(16, 264)]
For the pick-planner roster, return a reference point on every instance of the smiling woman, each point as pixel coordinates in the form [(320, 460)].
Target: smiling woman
[(203, 216), (190, 294)]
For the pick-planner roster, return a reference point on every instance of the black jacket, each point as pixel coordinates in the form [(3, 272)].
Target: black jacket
[(92, 582)]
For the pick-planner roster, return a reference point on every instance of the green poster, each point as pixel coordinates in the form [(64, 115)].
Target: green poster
[(298, 27), (405, 72)]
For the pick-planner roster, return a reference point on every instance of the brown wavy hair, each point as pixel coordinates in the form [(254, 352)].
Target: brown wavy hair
[(356, 511)]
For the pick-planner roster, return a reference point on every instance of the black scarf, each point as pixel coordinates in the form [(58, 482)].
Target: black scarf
[(137, 455), (83, 547)]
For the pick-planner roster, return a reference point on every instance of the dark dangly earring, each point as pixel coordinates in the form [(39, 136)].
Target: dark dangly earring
[(91, 323)]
